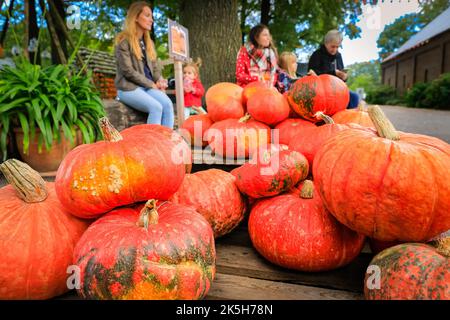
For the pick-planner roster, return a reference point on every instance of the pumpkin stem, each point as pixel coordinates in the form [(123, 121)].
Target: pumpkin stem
[(307, 191), (29, 185), (109, 132), (384, 127), (324, 117), (361, 106), (442, 244), (149, 214), (245, 118)]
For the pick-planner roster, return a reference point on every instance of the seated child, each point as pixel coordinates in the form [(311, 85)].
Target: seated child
[(287, 71), (193, 89)]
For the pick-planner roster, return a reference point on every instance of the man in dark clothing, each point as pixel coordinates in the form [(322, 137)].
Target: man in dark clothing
[(328, 60), (322, 62)]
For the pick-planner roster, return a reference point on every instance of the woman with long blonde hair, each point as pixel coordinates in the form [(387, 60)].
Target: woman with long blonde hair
[(138, 81)]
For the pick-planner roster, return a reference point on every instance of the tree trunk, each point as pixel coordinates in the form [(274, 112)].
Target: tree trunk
[(58, 54), (6, 24), (59, 7), (243, 17), (214, 36), (33, 32), (265, 12)]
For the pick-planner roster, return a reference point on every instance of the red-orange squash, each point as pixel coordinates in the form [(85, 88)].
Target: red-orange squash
[(295, 231), (390, 185), (224, 101), (213, 193), (251, 89), (233, 138), (194, 128), (164, 251), (37, 236), (312, 138), (271, 173), (268, 106), (291, 129), (324, 93), (95, 178), (412, 271)]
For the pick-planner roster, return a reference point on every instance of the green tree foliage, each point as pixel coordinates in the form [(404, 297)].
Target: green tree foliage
[(397, 33), (364, 75)]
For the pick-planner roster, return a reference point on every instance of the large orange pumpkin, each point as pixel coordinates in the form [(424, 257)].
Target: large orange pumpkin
[(180, 153), (95, 178), (194, 128), (311, 94), (233, 138), (295, 231), (388, 185), (37, 236), (358, 116), (268, 106), (412, 271), (213, 193), (164, 251), (224, 101), (291, 129)]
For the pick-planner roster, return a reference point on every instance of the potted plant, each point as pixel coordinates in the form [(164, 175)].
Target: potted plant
[(49, 109)]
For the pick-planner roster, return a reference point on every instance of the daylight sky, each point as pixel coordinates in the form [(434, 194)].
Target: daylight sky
[(372, 23)]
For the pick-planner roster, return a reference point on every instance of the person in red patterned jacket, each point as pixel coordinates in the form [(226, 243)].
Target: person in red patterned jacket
[(193, 89), (258, 58)]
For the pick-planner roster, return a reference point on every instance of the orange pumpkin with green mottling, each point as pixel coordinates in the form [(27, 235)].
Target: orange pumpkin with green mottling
[(412, 271), (271, 172), (164, 251), (96, 178), (324, 93)]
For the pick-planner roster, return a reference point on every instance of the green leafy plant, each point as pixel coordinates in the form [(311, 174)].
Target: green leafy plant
[(381, 95), (49, 99), (431, 95)]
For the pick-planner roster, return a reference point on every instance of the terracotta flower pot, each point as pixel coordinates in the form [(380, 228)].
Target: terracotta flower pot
[(46, 161)]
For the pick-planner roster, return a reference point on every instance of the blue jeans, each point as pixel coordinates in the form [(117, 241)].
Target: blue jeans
[(152, 101), (354, 100)]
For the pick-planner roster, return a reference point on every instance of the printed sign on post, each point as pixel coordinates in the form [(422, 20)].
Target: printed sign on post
[(178, 41)]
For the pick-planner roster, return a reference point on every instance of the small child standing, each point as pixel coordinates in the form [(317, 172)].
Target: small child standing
[(193, 89), (287, 71)]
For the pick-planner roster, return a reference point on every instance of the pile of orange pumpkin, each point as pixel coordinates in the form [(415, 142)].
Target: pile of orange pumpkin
[(316, 186)]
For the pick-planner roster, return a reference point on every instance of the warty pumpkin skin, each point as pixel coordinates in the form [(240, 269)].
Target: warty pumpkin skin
[(37, 236), (412, 271), (312, 94), (164, 251), (214, 194), (95, 178), (271, 172), (295, 231), (224, 101), (391, 186)]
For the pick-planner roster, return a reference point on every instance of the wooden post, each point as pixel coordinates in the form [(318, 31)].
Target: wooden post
[(179, 91)]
